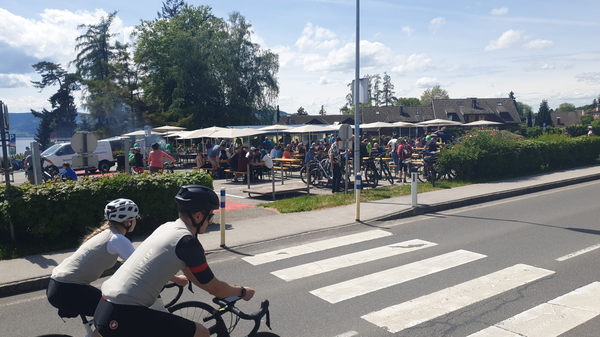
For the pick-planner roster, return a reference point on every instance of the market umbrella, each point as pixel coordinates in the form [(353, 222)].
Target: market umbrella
[(200, 133), (168, 128), (236, 133), (481, 123), (277, 128), (376, 125), (142, 133), (439, 122), (309, 128)]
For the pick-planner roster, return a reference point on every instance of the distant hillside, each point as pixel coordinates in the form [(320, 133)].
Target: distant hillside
[(25, 124)]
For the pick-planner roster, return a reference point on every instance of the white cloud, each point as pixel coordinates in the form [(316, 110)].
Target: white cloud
[(415, 62), (589, 78), (14, 80), (408, 30), (324, 80), (315, 37), (499, 11), (540, 66), (506, 40), (52, 37), (427, 82), (539, 44), (372, 54), (436, 24)]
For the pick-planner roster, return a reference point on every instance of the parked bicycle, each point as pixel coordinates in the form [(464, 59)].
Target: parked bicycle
[(376, 169)]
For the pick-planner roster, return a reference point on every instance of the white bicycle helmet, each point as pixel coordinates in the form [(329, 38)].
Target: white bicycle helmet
[(121, 210)]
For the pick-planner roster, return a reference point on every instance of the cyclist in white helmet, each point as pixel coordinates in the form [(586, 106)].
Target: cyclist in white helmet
[(70, 288)]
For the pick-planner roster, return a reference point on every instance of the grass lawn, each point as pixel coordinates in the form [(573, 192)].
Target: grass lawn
[(314, 202)]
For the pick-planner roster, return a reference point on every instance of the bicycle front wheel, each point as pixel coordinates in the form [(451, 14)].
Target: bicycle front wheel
[(194, 311), (371, 178)]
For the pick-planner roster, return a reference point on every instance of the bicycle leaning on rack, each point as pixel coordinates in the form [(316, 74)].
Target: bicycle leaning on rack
[(202, 313)]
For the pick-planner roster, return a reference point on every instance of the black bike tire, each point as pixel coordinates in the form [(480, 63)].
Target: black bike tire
[(194, 316), (54, 335), (387, 173), (265, 334), (431, 177), (371, 179)]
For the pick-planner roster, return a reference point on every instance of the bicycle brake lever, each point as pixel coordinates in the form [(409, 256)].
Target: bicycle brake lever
[(190, 288), (268, 320)]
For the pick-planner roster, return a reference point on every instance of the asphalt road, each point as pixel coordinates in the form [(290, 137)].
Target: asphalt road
[(452, 273)]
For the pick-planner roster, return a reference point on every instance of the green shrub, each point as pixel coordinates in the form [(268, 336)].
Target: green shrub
[(66, 210), (491, 154)]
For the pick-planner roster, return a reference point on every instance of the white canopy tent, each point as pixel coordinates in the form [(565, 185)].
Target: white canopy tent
[(481, 123), (142, 133), (168, 128)]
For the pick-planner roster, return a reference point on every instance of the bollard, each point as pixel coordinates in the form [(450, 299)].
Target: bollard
[(357, 194), (222, 217)]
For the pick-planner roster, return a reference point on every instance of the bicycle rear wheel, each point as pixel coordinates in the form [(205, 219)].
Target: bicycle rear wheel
[(194, 311), (371, 178), (386, 174)]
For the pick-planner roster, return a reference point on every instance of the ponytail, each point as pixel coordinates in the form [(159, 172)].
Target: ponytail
[(105, 225)]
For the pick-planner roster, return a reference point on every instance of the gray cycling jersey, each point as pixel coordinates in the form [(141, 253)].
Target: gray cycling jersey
[(141, 278), (88, 262)]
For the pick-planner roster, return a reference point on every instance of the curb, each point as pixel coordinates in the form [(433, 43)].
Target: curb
[(423, 209), (40, 283)]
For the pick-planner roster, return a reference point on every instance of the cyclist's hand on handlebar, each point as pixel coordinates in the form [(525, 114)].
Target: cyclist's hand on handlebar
[(180, 280), (249, 294)]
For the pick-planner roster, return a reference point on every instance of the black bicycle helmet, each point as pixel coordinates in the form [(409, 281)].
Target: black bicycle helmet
[(196, 198), (155, 146)]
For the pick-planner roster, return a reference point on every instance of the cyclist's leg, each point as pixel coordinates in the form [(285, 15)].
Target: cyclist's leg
[(73, 298), (114, 320)]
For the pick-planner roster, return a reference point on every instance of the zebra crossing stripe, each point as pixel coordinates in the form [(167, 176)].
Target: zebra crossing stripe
[(405, 315), (285, 253), (349, 260), (387, 278), (552, 318)]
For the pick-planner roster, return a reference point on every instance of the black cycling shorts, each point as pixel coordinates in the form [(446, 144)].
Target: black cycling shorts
[(73, 299), (116, 320)]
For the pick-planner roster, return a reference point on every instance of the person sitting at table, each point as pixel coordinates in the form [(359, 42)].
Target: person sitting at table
[(375, 150), (310, 154), (268, 163), (301, 151), (287, 153), (230, 151), (278, 152), (254, 155), (200, 160), (233, 161), (242, 165)]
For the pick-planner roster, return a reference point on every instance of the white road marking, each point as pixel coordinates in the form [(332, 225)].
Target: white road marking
[(308, 248), (579, 252), (387, 278), (405, 315), (348, 334), (552, 318), (36, 298), (349, 260)]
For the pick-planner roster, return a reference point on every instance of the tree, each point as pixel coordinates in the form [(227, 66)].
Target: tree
[(388, 97), (301, 111), (98, 70), (62, 118), (201, 71), (543, 116), (565, 107), (322, 112), (524, 110), (408, 101), (375, 90), (170, 9), (433, 93)]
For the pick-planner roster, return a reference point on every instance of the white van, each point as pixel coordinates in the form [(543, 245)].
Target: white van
[(61, 153)]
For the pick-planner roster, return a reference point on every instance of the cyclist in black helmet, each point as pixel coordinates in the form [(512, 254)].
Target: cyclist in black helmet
[(128, 294)]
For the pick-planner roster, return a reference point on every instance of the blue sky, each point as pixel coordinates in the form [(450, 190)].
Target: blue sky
[(537, 49)]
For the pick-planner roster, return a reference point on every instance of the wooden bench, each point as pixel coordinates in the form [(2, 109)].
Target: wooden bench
[(209, 170), (229, 174)]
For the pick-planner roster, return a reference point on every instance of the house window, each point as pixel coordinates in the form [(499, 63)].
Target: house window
[(499, 104), (460, 103)]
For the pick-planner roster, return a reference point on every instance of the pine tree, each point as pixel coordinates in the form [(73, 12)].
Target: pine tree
[(543, 116), (170, 9), (322, 112)]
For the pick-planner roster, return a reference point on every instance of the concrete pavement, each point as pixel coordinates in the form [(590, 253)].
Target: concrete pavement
[(254, 224)]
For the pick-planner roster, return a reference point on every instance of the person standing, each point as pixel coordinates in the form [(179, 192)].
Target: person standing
[(392, 145), (335, 158), (590, 131)]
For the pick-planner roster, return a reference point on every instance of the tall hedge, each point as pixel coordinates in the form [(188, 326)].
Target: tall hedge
[(491, 154), (66, 210)]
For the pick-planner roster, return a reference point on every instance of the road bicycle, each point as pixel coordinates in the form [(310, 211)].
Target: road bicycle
[(199, 312)]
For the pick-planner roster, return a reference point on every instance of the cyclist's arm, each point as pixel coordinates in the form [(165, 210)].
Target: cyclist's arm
[(198, 272), (167, 155), (120, 245)]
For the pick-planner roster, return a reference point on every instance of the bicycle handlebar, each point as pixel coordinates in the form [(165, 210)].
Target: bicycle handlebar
[(228, 305)]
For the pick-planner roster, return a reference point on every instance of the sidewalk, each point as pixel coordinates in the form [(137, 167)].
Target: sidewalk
[(33, 272)]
